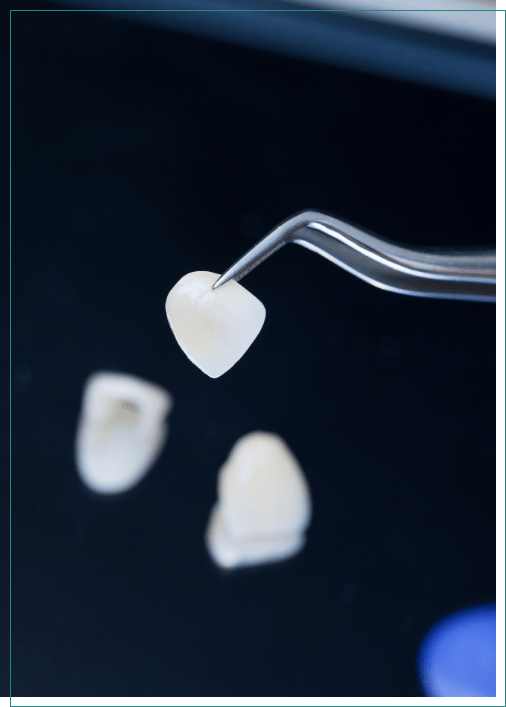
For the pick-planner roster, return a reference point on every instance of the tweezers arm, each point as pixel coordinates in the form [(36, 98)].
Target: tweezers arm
[(424, 272), (428, 272)]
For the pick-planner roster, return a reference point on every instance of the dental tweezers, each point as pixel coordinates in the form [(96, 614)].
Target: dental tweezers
[(447, 273)]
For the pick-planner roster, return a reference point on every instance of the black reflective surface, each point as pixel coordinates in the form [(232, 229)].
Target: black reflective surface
[(140, 155)]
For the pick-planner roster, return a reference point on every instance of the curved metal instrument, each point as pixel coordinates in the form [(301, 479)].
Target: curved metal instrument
[(448, 273)]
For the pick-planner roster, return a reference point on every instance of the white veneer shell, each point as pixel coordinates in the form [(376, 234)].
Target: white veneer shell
[(264, 504), (214, 328), (229, 552), (121, 431)]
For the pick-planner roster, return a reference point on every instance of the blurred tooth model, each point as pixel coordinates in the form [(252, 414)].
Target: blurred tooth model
[(121, 431), (214, 328), (264, 504)]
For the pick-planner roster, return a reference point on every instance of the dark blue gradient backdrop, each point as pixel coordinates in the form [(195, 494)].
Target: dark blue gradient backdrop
[(141, 154)]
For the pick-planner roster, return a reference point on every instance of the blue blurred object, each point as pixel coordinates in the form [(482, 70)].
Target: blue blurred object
[(457, 657), (334, 38)]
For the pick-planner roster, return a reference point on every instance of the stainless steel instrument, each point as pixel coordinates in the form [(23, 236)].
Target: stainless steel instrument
[(448, 273)]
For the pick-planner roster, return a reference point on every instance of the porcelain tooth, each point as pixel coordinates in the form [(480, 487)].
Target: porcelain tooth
[(264, 504), (214, 328), (121, 431)]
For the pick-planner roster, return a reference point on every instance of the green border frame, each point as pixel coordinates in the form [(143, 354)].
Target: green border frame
[(501, 466)]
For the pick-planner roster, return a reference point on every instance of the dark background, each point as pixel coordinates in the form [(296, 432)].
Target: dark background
[(139, 155)]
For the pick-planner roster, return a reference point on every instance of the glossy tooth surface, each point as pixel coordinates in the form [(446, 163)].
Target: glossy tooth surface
[(121, 431), (264, 504), (214, 328)]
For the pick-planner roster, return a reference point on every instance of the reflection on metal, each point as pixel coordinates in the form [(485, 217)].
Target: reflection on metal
[(425, 272)]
